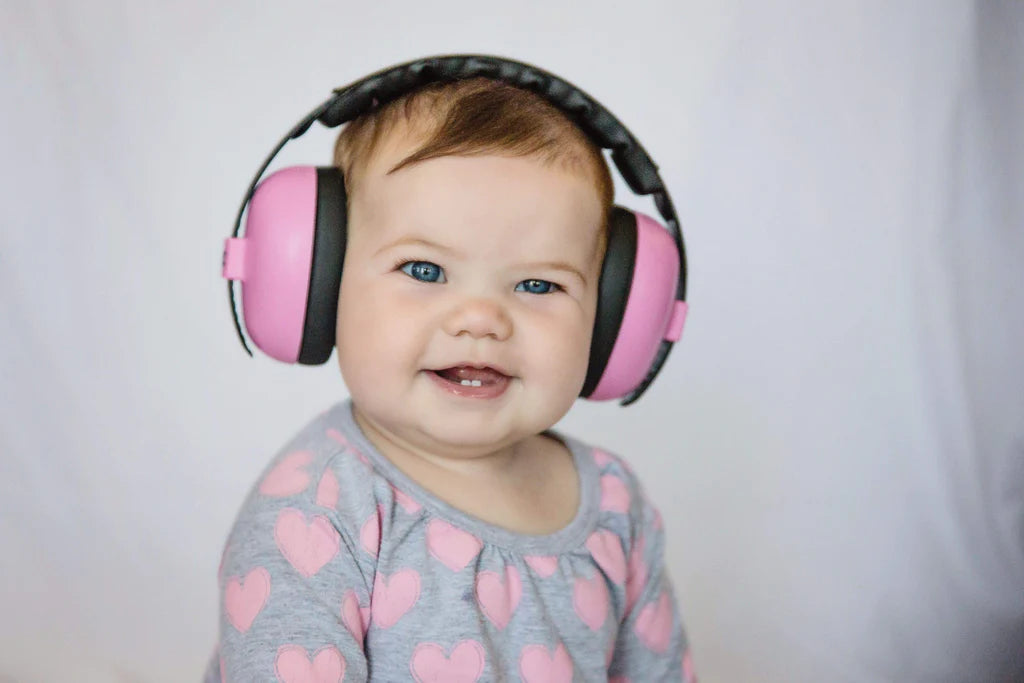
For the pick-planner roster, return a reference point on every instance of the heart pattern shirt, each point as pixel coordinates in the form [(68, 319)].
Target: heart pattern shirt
[(339, 567)]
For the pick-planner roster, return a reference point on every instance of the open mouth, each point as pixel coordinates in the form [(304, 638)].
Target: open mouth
[(468, 380)]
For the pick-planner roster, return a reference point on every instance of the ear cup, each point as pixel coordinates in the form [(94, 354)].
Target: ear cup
[(636, 307), (612, 293), (289, 262), (329, 241)]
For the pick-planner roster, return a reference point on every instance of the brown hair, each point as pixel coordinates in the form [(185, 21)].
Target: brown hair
[(471, 117)]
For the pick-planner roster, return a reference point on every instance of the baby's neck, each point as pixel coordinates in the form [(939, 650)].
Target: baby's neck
[(529, 487)]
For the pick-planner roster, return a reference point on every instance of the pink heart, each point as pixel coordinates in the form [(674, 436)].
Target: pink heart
[(499, 599), (606, 548), (602, 458), (294, 666), (452, 546), (355, 617), (429, 663), (327, 491), (590, 598), (636, 575), (243, 599), (369, 535), (614, 494), (537, 666), (654, 625), (542, 564), (407, 503), (307, 546), (338, 436), (287, 478), (393, 597)]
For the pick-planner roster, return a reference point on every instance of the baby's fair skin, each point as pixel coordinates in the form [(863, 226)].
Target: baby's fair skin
[(486, 235)]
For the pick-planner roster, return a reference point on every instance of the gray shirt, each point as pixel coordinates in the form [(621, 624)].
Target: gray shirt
[(341, 568)]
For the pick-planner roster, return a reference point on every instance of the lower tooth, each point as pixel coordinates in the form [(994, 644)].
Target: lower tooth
[(470, 383)]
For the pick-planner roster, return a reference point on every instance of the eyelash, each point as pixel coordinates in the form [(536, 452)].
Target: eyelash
[(400, 264)]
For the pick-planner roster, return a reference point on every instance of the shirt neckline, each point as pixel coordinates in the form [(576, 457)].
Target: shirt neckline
[(565, 539)]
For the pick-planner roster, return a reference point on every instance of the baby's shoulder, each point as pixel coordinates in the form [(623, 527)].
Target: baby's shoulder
[(621, 491), (318, 472)]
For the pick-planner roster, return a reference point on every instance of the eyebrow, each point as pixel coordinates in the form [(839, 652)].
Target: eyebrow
[(419, 242), (422, 242), (558, 265)]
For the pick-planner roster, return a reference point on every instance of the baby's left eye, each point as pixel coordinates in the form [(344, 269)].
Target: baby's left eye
[(537, 287)]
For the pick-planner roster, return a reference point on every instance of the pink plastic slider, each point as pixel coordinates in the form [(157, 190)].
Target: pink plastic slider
[(675, 325), (234, 258)]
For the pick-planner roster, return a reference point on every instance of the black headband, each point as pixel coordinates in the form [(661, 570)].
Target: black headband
[(630, 158)]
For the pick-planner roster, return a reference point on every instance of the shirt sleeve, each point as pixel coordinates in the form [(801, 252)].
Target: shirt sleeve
[(294, 592), (652, 643)]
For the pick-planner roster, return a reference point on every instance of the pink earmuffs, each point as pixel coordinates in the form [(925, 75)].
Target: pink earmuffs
[(289, 261)]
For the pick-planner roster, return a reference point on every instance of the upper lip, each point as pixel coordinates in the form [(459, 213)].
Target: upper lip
[(478, 366)]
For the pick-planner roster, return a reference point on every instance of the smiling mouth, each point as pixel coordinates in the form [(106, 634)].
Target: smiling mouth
[(470, 376), (470, 381)]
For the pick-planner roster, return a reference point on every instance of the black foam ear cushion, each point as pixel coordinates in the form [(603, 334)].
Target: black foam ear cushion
[(612, 293), (325, 272)]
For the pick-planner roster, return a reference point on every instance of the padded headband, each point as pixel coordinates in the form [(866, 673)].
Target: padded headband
[(630, 158)]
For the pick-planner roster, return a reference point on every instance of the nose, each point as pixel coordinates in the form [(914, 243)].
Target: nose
[(479, 318)]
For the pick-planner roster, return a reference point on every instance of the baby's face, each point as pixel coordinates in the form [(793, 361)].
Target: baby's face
[(468, 261)]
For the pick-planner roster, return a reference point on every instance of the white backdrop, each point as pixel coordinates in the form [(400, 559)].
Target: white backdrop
[(837, 444)]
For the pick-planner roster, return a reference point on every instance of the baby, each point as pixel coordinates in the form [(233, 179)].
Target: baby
[(433, 527)]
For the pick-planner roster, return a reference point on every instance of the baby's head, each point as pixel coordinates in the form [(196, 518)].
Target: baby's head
[(476, 231)]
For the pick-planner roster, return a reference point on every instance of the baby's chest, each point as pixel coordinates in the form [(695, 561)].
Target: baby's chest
[(539, 614)]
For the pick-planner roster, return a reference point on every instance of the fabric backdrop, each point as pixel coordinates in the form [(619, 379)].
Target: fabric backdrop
[(837, 444)]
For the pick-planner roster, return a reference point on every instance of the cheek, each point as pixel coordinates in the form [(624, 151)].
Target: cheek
[(561, 350), (365, 337)]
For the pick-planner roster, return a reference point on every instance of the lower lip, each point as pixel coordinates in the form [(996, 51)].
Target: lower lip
[(483, 391)]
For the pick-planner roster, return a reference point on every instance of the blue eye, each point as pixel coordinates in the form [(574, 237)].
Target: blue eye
[(537, 287), (424, 271)]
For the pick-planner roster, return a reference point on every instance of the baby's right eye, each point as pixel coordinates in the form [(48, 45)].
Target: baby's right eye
[(424, 271)]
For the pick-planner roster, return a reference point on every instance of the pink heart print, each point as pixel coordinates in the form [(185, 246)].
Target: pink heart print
[(636, 574), (537, 666), (341, 439), (293, 665), (403, 499), (614, 494), (287, 477), (338, 436), (355, 617), (590, 598), (452, 546), (327, 490), (369, 535), (499, 598), (654, 625), (602, 458), (544, 565), (429, 663), (308, 546), (245, 598), (393, 596), (607, 550)]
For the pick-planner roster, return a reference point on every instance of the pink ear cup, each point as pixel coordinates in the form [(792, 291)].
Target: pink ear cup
[(652, 314), (274, 258)]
